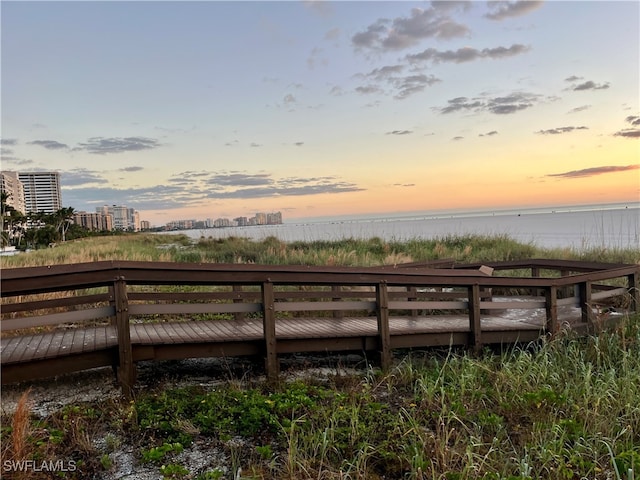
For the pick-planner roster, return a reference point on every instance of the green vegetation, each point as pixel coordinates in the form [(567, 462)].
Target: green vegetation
[(271, 251), (565, 408), (562, 409)]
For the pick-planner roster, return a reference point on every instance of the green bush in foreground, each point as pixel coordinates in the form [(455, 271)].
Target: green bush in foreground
[(562, 409)]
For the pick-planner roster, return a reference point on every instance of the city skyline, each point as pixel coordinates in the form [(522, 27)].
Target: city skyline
[(316, 109)]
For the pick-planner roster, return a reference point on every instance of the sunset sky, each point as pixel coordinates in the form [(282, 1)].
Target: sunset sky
[(195, 110)]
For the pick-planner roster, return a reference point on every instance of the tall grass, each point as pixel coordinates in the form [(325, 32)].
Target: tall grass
[(346, 252)]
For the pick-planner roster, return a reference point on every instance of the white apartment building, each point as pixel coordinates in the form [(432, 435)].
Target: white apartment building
[(41, 191), (12, 186)]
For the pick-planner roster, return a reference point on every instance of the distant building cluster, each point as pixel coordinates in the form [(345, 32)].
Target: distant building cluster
[(259, 219), (40, 192)]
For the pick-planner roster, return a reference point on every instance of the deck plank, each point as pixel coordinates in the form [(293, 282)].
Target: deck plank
[(8, 347)]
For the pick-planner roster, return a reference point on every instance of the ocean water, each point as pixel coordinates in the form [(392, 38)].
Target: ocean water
[(580, 227)]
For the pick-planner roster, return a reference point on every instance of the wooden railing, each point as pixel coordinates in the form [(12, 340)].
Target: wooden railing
[(120, 294)]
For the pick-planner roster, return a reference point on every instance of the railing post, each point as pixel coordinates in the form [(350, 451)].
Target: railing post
[(269, 331), (584, 295), (126, 368), (112, 302), (237, 290), (336, 289), (535, 273), (551, 307), (565, 289), (633, 283), (384, 335), (474, 317), (412, 295)]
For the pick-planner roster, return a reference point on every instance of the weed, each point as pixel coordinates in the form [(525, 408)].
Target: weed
[(157, 454), (173, 471)]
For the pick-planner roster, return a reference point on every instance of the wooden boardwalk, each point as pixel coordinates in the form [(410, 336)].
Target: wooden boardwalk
[(70, 318), (73, 341)]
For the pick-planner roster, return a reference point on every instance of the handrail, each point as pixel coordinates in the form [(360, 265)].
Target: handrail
[(22, 281)]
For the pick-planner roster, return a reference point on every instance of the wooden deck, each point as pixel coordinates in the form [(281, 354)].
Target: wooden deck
[(306, 311), (153, 341)]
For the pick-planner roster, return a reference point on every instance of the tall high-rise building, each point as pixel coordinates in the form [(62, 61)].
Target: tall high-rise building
[(127, 219), (12, 186), (41, 191)]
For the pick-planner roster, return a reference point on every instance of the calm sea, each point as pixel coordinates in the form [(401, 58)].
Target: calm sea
[(580, 227)]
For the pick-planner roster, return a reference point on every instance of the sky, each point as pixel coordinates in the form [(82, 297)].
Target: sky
[(196, 110)]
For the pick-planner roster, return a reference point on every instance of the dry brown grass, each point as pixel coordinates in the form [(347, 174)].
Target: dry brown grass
[(19, 448)]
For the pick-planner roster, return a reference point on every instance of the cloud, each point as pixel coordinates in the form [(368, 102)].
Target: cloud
[(255, 145), (457, 139), (628, 133), (634, 121), (590, 85), (8, 141), (467, 54), (559, 130), (289, 99), (404, 32), (368, 89), (400, 86), (239, 179), (448, 5), (316, 58), (590, 172), (80, 176), (83, 188), (572, 78), (407, 86), (499, 10), (131, 169), (336, 91), (460, 104), (159, 197), (299, 144), (241, 185), (333, 34), (497, 105), (400, 132), (579, 109), (384, 73), (102, 146), (319, 7), (489, 134), (49, 144)]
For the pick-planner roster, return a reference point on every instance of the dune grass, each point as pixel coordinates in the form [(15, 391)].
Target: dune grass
[(346, 252)]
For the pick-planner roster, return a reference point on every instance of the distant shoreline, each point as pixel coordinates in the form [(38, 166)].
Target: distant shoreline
[(461, 213), (595, 226)]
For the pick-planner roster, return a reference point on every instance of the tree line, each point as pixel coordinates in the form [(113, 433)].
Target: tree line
[(37, 229)]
